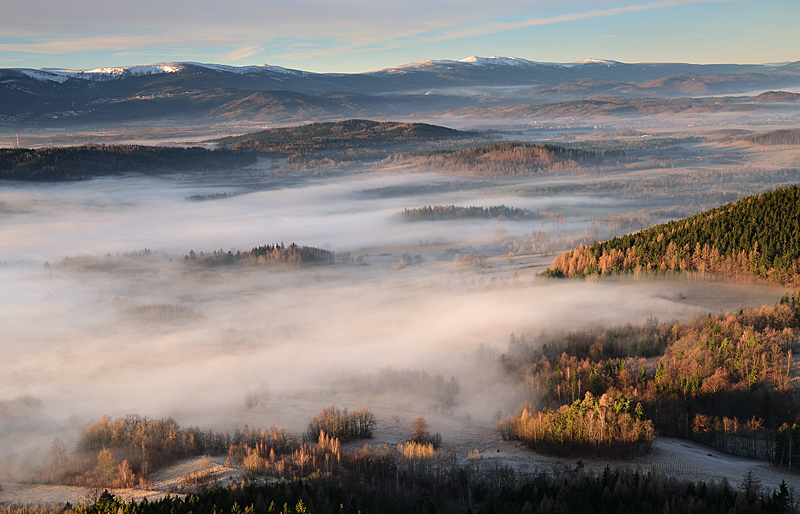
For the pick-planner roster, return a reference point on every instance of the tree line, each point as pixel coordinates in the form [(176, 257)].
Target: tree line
[(490, 490), (756, 236), (342, 425), (414, 477), (451, 212), (277, 254), (81, 162), (777, 137)]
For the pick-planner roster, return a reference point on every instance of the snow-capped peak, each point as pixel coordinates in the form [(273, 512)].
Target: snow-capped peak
[(473, 60), (593, 61), (60, 75)]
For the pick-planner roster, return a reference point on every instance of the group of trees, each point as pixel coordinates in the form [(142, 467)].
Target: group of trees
[(509, 158), (267, 460), (265, 255), (723, 380), (756, 236), (454, 212), (76, 162), (342, 424), (213, 196), (609, 424), (124, 451)]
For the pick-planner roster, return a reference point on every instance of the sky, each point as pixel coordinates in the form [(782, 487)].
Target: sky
[(362, 35)]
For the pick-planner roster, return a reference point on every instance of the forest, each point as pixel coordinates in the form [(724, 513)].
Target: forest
[(722, 380), (758, 236), (509, 158), (277, 254), (479, 487), (87, 161), (777, 137), (454, 212), (348, 134), (282, 474)]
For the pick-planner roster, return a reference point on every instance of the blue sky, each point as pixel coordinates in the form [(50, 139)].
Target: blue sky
[(364, 35)]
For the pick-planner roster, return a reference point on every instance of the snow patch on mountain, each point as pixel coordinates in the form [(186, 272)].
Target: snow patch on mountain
[(592, 61), (102, 74), (495, 60), (43, 76), (250, 70)]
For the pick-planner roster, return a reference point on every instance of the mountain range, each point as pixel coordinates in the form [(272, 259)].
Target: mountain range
[(189, 92)]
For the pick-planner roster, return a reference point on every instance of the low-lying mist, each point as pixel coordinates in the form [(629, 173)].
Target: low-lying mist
[(121, 330)]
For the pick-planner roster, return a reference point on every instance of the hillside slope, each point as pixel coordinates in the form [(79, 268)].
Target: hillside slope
[(759, 236), (509, 158), (342, 134)]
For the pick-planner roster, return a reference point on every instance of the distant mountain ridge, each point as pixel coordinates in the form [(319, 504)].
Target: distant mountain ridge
[(476, 61), (193, 92)]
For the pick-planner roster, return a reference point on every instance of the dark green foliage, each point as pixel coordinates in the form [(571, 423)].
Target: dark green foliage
[(759, 235), (265, 255), (81, 162), (452, 212), (612, 491)]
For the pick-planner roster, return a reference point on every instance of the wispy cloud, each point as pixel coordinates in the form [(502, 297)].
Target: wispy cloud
[(243, 53), (476, 30), (88, 44)]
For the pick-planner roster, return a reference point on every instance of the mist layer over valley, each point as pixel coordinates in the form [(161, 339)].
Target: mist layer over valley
[(104, 312)]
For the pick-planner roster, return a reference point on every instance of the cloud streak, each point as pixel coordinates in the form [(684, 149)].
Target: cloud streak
[(459, 32), (332, 28)]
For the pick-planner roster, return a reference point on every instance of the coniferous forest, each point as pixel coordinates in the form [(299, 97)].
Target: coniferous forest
[(757, 236)]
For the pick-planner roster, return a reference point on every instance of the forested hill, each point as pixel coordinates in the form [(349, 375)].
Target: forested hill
[(777, 137), (759, 235), (340, 135), (78, 162), (509, 158)]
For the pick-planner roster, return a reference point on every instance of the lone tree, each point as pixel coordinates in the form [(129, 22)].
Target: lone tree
[(419, 433)]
